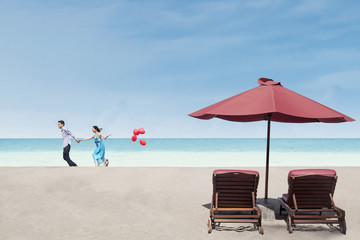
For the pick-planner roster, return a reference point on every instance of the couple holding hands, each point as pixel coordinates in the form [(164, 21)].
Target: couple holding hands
[(98, 154)]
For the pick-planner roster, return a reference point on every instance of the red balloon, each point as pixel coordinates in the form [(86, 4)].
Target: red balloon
[(143, 142), (136, 132), (141, 131), (134, 138)]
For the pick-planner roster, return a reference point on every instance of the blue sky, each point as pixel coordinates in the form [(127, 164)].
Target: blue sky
[(130, 64)]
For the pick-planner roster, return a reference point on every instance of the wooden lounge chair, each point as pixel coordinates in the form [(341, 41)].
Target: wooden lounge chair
[(234, 198), (310, 199)]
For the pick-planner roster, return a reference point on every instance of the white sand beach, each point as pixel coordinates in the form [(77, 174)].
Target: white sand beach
[(144, 203)]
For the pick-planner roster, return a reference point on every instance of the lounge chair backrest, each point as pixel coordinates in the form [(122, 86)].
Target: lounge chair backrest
[(234, 188), (312, 188)]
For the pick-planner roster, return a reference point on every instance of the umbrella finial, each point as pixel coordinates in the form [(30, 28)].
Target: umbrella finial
[(267, 81)]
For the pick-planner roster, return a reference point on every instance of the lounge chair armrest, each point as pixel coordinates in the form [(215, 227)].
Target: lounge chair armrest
[(341, 211), (253, 199), (332, 200), (295, 202)]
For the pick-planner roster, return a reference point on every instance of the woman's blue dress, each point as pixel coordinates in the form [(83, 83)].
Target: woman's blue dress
[(99, 153)]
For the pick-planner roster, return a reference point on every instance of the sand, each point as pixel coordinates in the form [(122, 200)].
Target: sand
[(144, 203)]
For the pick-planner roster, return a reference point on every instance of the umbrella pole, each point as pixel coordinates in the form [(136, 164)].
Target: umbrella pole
[(267, 156)]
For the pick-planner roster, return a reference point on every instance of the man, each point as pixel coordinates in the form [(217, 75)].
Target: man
[(66, 143)]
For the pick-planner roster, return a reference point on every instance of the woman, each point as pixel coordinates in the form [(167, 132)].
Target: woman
[(99, 153)]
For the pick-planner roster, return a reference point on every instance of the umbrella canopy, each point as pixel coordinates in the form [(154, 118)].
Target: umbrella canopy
[(272, 102)]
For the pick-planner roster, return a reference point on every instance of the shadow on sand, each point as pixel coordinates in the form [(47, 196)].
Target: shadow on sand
[(207, 205), (270, 208)]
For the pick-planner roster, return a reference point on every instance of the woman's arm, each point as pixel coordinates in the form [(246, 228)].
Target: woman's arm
[(101, 135), (85, 139)]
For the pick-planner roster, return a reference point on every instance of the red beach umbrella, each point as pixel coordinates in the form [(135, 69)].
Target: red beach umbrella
[(270, 102)]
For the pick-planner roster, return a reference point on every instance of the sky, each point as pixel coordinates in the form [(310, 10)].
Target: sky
[(128, 64)]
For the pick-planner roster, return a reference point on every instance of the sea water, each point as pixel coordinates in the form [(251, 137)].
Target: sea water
[(191, 152)]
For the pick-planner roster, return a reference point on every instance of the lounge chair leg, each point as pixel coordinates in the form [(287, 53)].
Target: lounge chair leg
[(261, 228), (342, 224), (209, 226), (290, 227)]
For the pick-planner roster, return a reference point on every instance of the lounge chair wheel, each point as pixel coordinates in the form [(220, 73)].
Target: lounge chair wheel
[(261, 228), (290, 227), (343, 226), (209, 226)]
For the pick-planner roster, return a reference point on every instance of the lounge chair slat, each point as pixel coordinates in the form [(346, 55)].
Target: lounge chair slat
[(234, 205), (314, 217), (310, 187), (312, 192), (315, 210), (236, 187), (235, 183), (235, 199), (238, 205), (320, 188), (235, 209), (313, 221), (236, 220), (235, 216), (311, 198), (308, 199), (313, 205), (234, 195), (305, 196), (239, 200), (234, 191)]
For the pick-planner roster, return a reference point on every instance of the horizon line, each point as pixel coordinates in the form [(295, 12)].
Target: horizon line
[(198, 138)]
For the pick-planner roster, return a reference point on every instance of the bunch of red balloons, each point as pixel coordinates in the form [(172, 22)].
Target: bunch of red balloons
[(136, 133)]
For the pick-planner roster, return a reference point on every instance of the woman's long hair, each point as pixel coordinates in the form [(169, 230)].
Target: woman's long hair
[(97, 128)]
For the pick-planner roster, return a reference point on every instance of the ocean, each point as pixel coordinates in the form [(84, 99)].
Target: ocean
[(189, 152)]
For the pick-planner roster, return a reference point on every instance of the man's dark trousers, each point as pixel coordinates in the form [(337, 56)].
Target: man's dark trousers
[(66, 156)]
